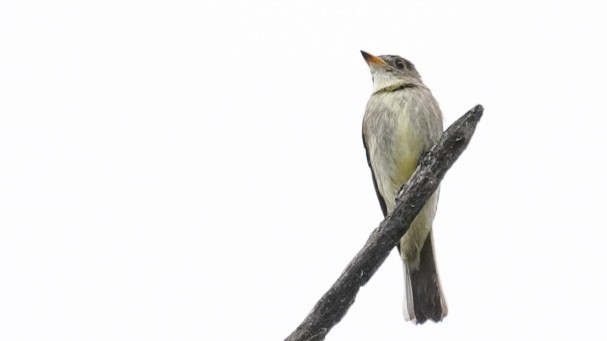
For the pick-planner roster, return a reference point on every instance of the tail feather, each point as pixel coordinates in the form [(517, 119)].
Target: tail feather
[(424, 298)]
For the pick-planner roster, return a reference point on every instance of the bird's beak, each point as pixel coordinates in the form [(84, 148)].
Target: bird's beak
[(372, 60)]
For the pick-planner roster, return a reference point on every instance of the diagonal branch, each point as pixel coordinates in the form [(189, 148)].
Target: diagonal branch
[(334, 304)]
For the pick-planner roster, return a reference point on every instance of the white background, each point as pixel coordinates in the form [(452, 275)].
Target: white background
[(193, 170)]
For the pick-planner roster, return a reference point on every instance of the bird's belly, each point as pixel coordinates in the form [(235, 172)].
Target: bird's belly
[(400, 161)]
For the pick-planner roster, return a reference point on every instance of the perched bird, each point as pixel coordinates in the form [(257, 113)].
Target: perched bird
[(402, 121)]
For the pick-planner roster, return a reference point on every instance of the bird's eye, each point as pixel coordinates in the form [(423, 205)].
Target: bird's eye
[(399, 64)]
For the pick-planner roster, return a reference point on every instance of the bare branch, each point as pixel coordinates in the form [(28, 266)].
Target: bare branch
[(334, 304)]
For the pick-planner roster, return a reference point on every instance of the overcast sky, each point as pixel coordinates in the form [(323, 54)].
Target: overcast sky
[(194, 170)]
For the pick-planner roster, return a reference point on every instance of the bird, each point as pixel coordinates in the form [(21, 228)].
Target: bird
[(402, 121)]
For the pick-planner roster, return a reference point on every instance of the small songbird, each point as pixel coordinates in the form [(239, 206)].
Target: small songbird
[(402, 122)]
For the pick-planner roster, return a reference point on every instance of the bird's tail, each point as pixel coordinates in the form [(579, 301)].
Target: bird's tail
[(424, 298)]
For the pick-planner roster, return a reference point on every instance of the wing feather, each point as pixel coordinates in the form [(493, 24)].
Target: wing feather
[(382, 202)]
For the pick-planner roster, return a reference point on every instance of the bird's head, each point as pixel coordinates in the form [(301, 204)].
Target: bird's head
[(390, 70)]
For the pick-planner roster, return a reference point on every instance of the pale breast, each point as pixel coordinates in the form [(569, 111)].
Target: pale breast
[(399, 127)]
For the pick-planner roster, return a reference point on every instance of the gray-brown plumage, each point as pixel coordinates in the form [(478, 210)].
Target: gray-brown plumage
[(401, 122)]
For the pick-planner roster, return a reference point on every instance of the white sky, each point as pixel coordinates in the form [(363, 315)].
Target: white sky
[(192, 170)]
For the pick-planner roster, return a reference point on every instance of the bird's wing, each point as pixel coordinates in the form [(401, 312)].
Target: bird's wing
[(382, 202)]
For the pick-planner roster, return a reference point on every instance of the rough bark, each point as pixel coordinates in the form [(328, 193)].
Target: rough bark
[(334, 304)]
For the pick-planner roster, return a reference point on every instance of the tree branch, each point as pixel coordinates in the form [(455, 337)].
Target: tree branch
[(334, 304)]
